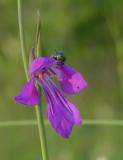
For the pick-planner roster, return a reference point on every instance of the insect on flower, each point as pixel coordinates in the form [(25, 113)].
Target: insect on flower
[(62, 114), (59, 56)]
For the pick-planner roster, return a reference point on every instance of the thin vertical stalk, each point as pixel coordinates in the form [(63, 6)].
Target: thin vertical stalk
[(39, 115), (38, 35), (22, 40), (39, 111), (42, 134)]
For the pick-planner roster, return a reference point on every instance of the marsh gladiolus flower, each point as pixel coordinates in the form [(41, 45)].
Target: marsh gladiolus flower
[(62, 114)]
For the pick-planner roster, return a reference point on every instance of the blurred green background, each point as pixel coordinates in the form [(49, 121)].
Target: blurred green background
[(90, 32)]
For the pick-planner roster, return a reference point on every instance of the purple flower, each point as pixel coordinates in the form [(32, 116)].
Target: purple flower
[(62, 114)]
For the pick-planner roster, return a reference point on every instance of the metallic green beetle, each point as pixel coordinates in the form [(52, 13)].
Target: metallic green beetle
[(60, 57)]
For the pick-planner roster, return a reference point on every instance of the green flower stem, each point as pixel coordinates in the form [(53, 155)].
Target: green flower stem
[(40, 121), (42, 134), (22, 40), (38, 35)]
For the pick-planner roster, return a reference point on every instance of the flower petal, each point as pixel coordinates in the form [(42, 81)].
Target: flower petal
[(29, 95), (72, 82), (40, 63), (76, 113), (61, 113)]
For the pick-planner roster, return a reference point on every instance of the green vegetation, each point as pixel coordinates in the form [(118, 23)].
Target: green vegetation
[(91, 35)]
